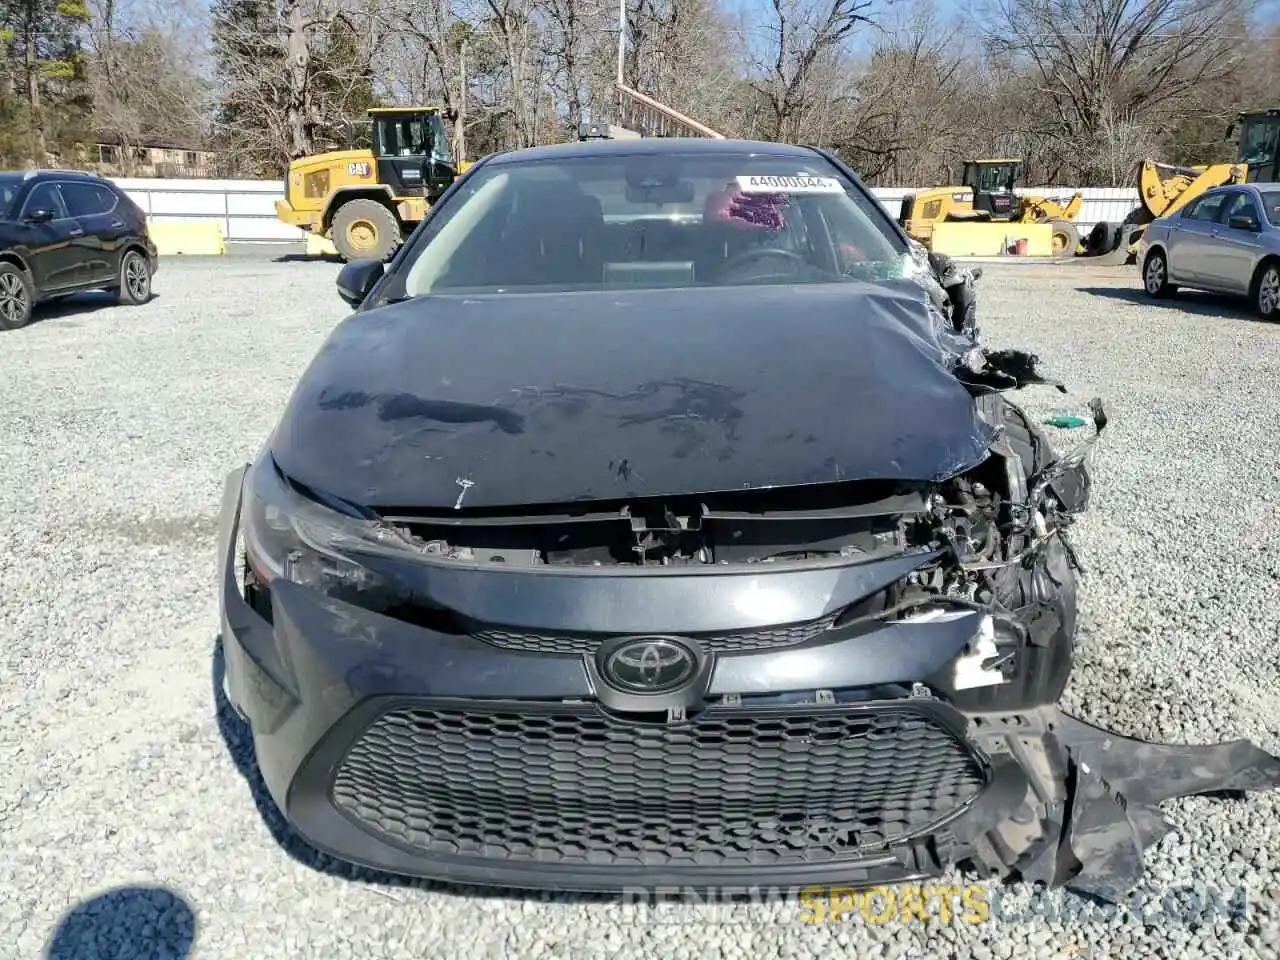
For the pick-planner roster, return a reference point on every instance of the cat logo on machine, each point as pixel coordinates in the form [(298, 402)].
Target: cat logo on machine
[(359, 168)]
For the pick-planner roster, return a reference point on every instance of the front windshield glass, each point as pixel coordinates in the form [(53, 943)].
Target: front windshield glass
[(670, 221), (9, 186), (1271, 205), (997, 178), (440, 141), (1260, 140)]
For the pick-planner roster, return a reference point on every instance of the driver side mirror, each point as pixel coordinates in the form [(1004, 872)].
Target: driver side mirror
[(1243, 222), (357, 278), (39, 215)]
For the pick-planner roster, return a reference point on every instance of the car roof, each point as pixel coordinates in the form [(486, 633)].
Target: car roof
[(42, 173), (1255, 188), (644, 146)]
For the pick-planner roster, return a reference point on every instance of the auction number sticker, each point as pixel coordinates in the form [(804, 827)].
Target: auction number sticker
[(800, 184)]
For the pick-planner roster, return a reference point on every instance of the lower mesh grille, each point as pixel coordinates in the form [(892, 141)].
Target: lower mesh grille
[(571, 785)]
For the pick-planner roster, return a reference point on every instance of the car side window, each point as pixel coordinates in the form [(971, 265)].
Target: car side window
[(45, 196), (86, 199), (1207, 208), (107, 197), (1241, 205)]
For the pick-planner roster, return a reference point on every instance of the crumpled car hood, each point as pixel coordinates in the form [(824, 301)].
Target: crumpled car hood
[(487, 401)]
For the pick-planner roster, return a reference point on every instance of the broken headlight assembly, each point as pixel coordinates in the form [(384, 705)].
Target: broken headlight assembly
[(287, 535)]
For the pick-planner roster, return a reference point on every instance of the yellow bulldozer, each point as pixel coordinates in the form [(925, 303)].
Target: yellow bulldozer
[(365, 201), (1164, 189), (988, 194)]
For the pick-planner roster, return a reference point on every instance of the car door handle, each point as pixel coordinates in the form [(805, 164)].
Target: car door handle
[(76, 232), (117, 222)]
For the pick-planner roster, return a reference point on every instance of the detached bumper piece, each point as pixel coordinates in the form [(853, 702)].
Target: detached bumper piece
[(1096, 797)]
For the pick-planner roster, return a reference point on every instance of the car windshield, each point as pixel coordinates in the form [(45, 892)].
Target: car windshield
[(1260, 140), (9, 186), (644, 220), (1271, 205)]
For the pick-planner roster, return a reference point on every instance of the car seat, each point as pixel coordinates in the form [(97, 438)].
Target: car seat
[(559, 234)]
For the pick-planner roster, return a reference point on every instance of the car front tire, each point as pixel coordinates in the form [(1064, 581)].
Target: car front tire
[(1266, 291), (1155, 275), (17, 297), (135, 279)]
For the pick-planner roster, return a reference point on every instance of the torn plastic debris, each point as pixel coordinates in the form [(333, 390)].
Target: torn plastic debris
[(1064, 476), (1008, 370), (1105, 812)]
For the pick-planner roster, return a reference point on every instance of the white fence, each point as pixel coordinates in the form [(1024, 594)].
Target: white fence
[(245, 209)]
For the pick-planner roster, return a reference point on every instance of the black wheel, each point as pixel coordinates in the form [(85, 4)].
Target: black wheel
[(1155, 276), (1103, 238), (16, 297), (134, 286), (1114, 234), (365, 229), (1266, 290)]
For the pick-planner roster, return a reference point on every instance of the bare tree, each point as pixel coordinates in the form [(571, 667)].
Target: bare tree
[(572, 27), (1119, 69), (422, 58), (907, 122), (798, 68), (678, 52), (512, 32), (293, 74), (146, 71), (1080, 89)]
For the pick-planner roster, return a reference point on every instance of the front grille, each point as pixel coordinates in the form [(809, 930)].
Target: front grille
[(569, 784), (740, 641)]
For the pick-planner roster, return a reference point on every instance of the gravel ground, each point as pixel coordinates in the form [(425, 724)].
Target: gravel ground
[(129, 811)]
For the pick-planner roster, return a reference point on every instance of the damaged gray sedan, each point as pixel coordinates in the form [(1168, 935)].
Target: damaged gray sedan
[(658, 519)]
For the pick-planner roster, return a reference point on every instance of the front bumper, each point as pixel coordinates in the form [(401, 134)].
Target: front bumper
[(306, 219), (449, 757)]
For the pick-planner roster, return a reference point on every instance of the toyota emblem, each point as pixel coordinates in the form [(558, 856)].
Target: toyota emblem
[(649, 665)]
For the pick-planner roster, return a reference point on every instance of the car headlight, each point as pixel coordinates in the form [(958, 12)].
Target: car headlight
[(292, 537)]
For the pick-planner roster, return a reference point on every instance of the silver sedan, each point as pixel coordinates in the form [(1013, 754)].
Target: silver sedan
[(1227, 241)]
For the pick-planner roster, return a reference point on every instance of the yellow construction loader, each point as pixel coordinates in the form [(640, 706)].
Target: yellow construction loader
[(988, 194), (1164, 189), (365, 201)]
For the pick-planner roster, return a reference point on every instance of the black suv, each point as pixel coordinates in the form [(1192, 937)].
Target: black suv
[(63, 231)]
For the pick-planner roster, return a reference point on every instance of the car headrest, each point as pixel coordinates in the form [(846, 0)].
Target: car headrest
[(559, 195)]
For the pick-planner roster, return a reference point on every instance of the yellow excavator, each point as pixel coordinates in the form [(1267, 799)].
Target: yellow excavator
[(365, 201), (1164, 189), (988, 194)]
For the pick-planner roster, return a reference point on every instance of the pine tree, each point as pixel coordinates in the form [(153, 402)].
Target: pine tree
[(45, 97)]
